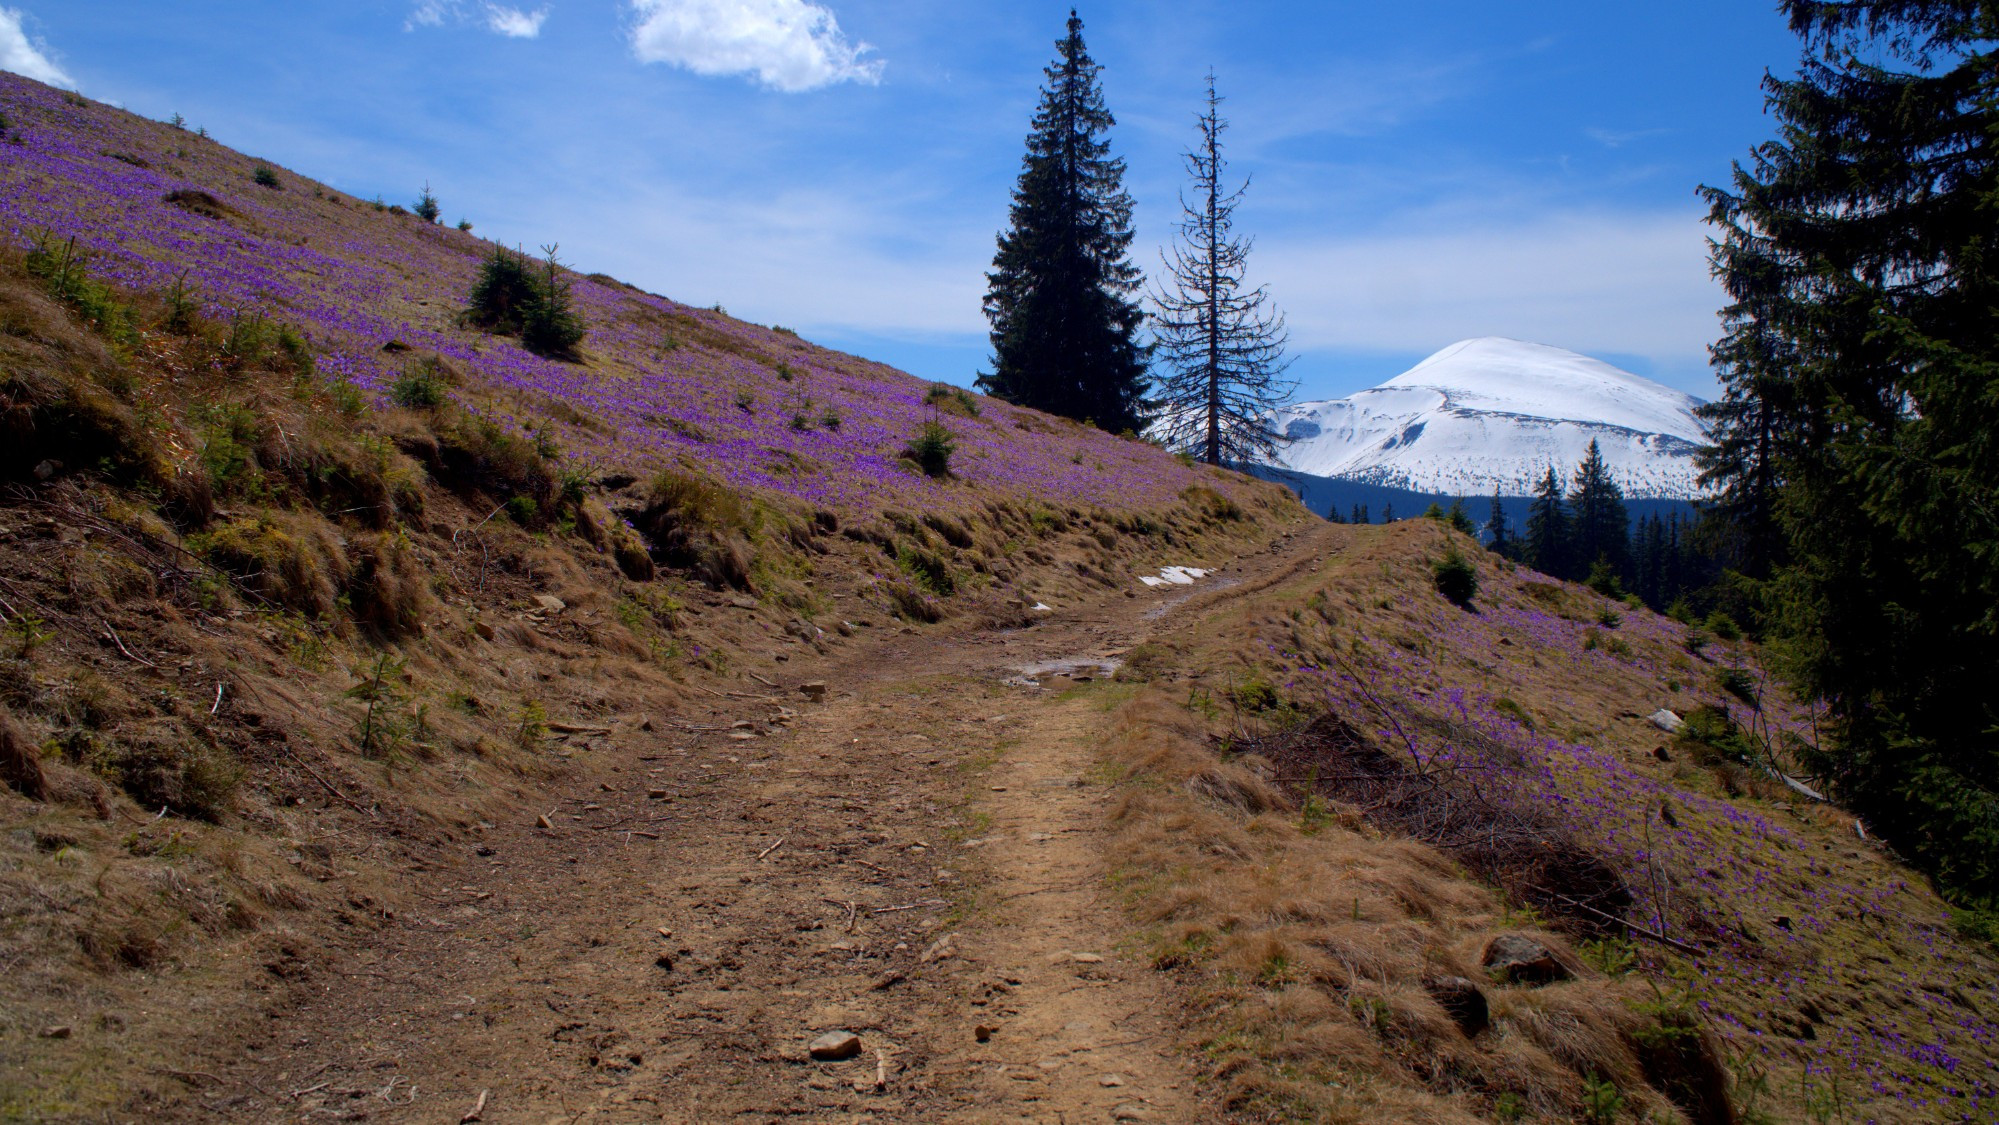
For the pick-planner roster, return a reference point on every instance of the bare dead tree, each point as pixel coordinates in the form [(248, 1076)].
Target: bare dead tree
[(1222, 343)]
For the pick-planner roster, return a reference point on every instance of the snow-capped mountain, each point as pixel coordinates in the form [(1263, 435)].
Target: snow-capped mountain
[(1497, 412)]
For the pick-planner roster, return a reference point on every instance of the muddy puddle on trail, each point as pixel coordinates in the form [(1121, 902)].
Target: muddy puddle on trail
[(1080, 669)]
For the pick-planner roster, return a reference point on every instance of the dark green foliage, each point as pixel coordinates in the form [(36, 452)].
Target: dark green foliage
[(1502, 536), (550, 326), (65, 274), (514, 298), (1546, 547), (1855, 447), (266, 178), (1434, 512), (1599, 529), (1459, 519), (465, 225), (951, 400), (1060, 297), (1603, 579), (1738, 683), (1456, 578), (503, 293), (426, 207), (928, 569), (1223, 347), (931, 449), (419, 387)]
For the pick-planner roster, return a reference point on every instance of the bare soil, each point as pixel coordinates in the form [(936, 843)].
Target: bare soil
[(918, 859)]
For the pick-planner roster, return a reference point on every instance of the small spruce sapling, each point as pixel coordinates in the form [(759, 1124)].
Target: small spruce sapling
[(551, 327), (426, 207), (931, 449), (1456, 578), (266, 178)]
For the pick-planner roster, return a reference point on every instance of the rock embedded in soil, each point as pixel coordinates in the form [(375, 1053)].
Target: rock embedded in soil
[(834, 1046), (550, 603), (1521, 959), (815, 690)]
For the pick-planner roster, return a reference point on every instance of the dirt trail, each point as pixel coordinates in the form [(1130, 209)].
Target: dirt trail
[(912, 860)]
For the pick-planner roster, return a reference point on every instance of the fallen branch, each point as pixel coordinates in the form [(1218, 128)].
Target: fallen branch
[(344, 798), (761, 680), (911, 906), (853, 909), (572, 728), (1635, 928), (477, 1112), (120, 642), (772, 848)]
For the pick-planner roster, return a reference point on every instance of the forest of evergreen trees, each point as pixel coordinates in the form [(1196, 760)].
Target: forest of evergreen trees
[(1855, 456)]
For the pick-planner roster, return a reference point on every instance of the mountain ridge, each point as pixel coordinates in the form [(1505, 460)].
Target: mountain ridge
[(1491, 412)]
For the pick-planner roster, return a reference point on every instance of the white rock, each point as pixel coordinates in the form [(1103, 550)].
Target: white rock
[(550, 602), (1666, 720)]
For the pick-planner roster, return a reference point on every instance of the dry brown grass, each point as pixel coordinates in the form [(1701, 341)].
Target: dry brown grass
[(1310, 939)]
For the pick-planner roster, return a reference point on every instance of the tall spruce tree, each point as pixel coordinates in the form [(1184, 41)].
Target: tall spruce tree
[(1222, 343), (1547, 545), (1860, 250), (1599, 528), (1061, 295)]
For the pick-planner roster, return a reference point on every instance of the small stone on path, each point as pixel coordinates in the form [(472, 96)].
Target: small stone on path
[(1110, 1080), (834, 1046)]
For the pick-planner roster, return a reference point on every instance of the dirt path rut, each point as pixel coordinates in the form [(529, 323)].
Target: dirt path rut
[(916, 860)]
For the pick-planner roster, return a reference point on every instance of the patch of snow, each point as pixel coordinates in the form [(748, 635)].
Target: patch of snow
[(1175, 576)]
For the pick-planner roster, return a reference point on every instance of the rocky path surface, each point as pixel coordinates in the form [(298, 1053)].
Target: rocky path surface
[(907, 873)]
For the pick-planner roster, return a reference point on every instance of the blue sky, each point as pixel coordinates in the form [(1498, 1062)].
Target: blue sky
[(1422, 171)]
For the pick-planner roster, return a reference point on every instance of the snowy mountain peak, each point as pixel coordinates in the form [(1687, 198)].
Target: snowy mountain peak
[(1492, 412)]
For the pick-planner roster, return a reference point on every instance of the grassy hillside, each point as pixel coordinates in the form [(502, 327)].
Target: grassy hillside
[(374, 289), (269, 641), (1402, 778)]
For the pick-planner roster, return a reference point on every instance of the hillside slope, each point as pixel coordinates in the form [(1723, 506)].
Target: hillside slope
[(1492, 413), (280, 650)]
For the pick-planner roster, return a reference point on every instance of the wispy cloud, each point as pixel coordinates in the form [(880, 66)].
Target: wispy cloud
[(25, 56), (788, 45), (1613, 138), (514, 23)]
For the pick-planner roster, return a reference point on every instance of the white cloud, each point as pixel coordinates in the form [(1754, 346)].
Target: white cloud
[(514, 23), (789, 45), (25, 56)]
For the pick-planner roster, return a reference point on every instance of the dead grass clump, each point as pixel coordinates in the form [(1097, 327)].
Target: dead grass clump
[(161, 765), (910, 602), (289, 561), (1236, 787), (485, 463), (197, 202), (21, 761), (1464, 808), (701, 526), (388, 590)]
